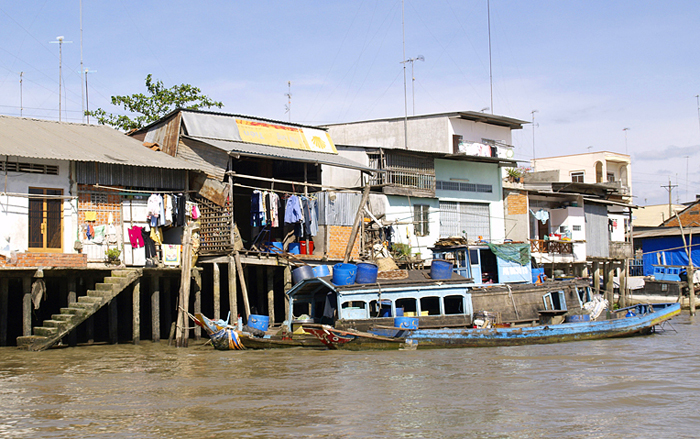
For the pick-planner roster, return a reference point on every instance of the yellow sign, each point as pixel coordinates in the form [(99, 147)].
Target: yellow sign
[(264, 133)]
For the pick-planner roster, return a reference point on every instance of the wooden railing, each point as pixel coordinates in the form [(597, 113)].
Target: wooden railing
[(552, 247), (405, 179)]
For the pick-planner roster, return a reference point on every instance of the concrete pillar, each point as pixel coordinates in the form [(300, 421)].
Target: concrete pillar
[(287, 286), (136, 318), (72, 338), (26, 306), (4, 294), (623, 284), (596, 276), (609, 285), (155, 308), (271, 294)]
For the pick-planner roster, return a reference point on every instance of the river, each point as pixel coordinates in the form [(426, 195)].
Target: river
[(641, 387)]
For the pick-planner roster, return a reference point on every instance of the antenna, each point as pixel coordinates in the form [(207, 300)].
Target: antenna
[(625, 130), (405, 100), (533, 136), (288, 107), (21, 106), (413, 78), (82, 97), (87, 104), (488, 7), (59, 41)]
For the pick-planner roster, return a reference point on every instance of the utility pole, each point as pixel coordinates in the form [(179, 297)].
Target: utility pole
[(669, 188), (533, 137), (405, 100)]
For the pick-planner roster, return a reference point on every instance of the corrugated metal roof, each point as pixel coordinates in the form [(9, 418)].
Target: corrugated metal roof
[(665, 231), (43, 139), (298, 155)]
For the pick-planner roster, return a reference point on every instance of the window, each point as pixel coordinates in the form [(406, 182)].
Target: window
[(576, 228), (611, 177), (354, 310), (463, 187), (29, 168), (408, 305), (584, 294), (430, 306), (460, 219), (454, 305), (421, 219), (555, 300), (577, 177)]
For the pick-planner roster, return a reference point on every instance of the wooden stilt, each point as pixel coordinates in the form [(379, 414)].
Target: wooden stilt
[(623, 284), (27, 306), (72, 338), (609, 283), (136, 318), (271, 294), (4, 294), (197, 301), (216, 288), (232, 290), (113, 322), (356, 224), (244, 289), (287, 286), (166, 307), (596, 276), (155, 308), (182, 333)]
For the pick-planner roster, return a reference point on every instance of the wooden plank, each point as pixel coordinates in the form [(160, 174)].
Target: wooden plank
[(136, 314), (244, 289), (356, 224), (182, 333), (216, 291), (155, 308), (211, 189), (197, 301)]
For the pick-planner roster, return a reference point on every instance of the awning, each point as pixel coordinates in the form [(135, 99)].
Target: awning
[(244, 149)]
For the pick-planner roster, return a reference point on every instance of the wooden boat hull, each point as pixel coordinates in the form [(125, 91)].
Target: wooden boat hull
[(642, 323), (298, 341)]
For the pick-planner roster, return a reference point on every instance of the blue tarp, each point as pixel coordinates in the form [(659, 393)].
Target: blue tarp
[(673, 250)]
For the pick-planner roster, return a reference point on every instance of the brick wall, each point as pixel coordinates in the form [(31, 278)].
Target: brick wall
[(108, 202), (68, 260), (517, 203), (338, 237)]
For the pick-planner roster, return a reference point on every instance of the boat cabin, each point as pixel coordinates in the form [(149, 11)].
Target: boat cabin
[(489, 264)]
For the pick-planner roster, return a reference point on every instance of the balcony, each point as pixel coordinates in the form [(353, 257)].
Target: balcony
[(551, 247), (405, 183)]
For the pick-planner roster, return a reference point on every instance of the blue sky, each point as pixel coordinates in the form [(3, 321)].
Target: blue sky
[(590, 68)]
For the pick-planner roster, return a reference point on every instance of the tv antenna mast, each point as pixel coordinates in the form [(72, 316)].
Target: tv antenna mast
[(21, 105), (59, 41), (87, 103), (288, 107)]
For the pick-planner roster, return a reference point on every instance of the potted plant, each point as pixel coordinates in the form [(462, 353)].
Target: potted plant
[(113, 256), (514, 174)]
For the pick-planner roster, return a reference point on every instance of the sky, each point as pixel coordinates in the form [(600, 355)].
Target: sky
[(590, 68)]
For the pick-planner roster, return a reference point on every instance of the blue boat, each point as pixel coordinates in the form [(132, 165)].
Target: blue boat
[(635, 320)]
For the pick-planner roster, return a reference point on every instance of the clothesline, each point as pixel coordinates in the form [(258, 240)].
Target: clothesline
[(301, 194), (141, 192), (275, 180), (50, 197)]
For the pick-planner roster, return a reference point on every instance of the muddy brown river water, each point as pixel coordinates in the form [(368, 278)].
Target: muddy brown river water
[(642, 387)]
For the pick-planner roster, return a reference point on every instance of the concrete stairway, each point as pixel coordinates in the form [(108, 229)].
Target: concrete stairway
[(60, 325)]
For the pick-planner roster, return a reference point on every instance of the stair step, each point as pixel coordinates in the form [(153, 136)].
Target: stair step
[(63, 317), (115, 280), (45, 331), (72, 309), (54, 323), (91, 300), (100, 293), (100, 286), (122, 273), (26, 341)]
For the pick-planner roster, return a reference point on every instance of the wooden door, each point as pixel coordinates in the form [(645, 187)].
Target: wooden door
[(46, 220)]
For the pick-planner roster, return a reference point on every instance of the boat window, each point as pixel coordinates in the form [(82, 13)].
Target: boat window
[(408, 305), (554, 300), (354, 310), (584, 294), (430, 306), (454, 304), (301, 308)]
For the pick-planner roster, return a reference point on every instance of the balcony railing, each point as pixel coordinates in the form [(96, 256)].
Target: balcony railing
[(551, 247), (405, 179)]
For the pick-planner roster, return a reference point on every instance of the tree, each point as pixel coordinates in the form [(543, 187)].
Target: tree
[(152, 107)]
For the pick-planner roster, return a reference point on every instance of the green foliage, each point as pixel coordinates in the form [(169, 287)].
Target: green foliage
[(152, 106), (113, 254), (400, 251)]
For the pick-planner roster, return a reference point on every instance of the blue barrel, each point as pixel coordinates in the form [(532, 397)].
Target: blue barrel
[(259, 322), (366, 273), (441, 269), (578, 318), (344, 274), (301, 273), (406, 322), (321, 271)]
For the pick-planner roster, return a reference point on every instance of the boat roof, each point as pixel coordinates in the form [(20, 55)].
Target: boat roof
[(416, 278)]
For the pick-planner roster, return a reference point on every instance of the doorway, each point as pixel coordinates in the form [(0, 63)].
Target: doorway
[(46, 220)]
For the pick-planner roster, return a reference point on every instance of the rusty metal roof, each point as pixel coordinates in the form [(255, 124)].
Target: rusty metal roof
[(43, 139)]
